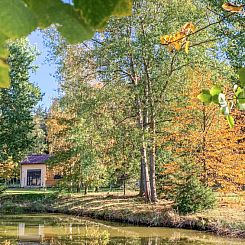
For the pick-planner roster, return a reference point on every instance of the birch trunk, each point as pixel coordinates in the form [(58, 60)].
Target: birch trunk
[(153, 165), (144, 178)]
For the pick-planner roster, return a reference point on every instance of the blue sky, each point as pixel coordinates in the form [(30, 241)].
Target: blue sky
[(43, 77)]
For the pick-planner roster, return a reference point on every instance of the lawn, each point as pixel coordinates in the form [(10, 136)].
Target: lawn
[(27, 191)]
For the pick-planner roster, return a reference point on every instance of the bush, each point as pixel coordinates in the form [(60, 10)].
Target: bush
[(36, 207), (193, 196), (9, 207), (3, 188)]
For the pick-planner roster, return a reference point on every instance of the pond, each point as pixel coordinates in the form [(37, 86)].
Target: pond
[(63, 229)]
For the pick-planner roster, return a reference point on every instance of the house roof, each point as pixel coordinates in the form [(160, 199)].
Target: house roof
[(36, 159)]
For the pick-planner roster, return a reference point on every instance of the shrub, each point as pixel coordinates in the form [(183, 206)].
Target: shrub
[(36, 207), (192, 196), (3, 188), (9, 207)]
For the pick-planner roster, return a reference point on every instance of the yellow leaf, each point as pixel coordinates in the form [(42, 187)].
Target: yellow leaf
[(163, 40), (232, 7), (177, 45), (187, 44), (192, 27), (170, 38), (179, 36), (188, 28)]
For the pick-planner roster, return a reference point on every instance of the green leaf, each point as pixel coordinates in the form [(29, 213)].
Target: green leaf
[(241, 106), (230, 120), (76, 22), (215, 99), (241, 96), (16, 19), (3, 39), (238, 91), (205, 96), (215, 90), (241, 74), (68, 21), (3, 53), (97, 12), (4, 75)]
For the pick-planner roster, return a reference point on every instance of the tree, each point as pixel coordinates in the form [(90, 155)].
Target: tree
[(147, 78), (180, 39), (17, 103), (39, 132), (127, 54), (124, 56), (8, 170), (201, 137), (88, 147), (231, 30)]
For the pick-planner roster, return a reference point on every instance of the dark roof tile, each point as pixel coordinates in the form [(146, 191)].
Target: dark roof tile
[(36, 159)]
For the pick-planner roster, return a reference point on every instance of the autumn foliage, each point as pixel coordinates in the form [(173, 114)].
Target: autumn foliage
[(178, 40), (201, 136)]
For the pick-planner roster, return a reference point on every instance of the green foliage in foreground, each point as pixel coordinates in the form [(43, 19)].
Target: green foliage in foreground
[(76, 22), (216, 96), (193, 196)]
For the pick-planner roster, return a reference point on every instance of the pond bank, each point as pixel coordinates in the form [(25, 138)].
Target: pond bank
[(222, 221)]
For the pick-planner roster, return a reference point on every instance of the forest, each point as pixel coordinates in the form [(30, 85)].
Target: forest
[(151, 103)]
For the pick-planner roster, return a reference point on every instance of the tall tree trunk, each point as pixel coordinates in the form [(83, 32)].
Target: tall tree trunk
[(150, 124), (79, 184), (153, 164), (144, 178), (152, 142), (150, 107), (85, 189), (142, 185), (142, 125), (124, 187)]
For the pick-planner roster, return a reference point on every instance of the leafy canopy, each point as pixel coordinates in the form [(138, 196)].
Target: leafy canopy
[(17, 103)]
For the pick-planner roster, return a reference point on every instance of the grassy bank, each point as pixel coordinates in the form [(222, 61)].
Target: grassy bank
[(228, 218)]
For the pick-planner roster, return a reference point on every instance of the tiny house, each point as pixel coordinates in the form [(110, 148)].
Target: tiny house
[(35, 173)]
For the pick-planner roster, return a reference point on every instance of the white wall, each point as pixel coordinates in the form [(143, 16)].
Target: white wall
[(23, 173)]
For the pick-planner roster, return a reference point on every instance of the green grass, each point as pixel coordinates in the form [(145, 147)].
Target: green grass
[(27, 191), (21, 196)]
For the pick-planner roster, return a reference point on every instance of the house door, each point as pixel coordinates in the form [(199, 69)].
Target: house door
[(34, 177)]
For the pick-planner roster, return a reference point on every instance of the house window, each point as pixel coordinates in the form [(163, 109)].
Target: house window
[(34, 177)]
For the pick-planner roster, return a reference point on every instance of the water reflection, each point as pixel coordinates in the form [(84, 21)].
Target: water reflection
[(60, 229), (68, 234), (34, 235)]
